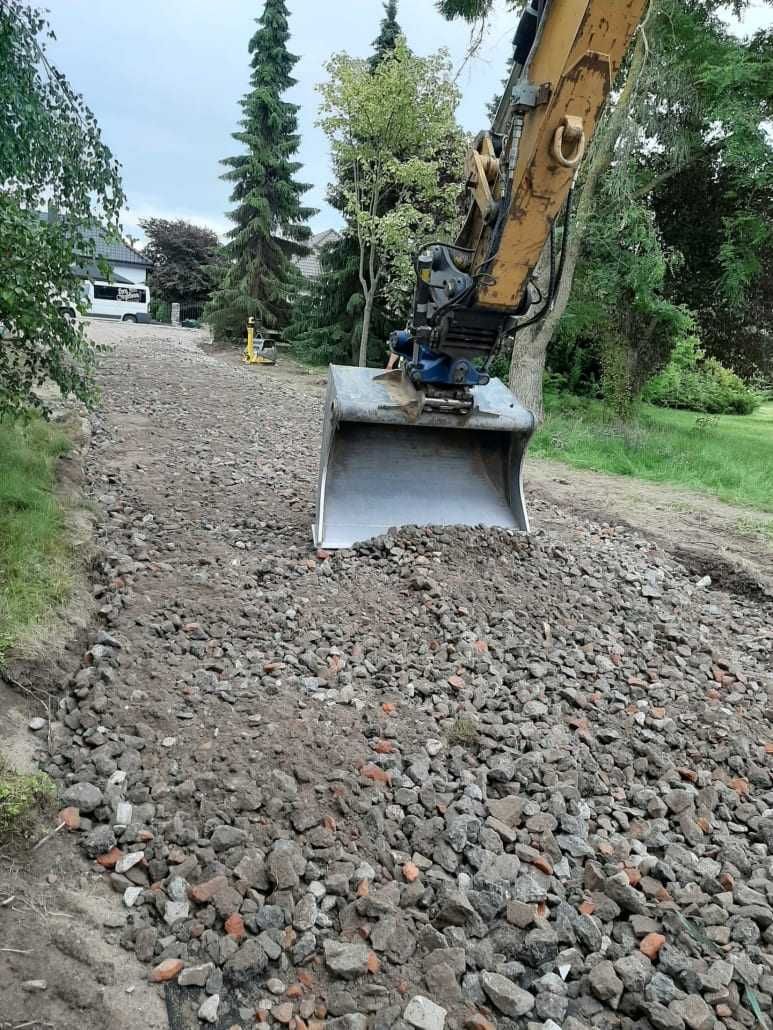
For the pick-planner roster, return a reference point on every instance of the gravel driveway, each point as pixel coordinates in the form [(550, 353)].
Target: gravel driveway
[(452, 778)]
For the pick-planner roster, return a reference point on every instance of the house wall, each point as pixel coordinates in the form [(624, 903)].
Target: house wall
[(134, 273)]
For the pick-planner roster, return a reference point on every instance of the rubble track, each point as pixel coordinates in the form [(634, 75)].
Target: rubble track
[(450, 777)]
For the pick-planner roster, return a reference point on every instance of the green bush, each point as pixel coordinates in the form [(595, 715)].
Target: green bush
[(160, 311), (696, 383)]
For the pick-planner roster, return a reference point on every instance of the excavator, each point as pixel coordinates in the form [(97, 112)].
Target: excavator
[(437, 441)]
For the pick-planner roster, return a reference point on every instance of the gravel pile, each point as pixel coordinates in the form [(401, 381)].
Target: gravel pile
[(446, 779)]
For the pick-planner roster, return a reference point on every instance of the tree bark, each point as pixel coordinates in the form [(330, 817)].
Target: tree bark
[(366, 316), (528, 364), (527, 370)]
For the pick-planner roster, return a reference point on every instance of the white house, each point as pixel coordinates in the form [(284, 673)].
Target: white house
[(127, 265)]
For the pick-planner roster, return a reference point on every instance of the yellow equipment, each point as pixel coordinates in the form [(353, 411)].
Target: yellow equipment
[(439, 442), (258, 350)]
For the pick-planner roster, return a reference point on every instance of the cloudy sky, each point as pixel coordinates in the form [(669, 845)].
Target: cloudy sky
[(164, 80)]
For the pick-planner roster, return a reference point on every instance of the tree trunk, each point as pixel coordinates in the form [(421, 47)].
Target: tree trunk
[(530, 350), (366, 316), (527, 370)]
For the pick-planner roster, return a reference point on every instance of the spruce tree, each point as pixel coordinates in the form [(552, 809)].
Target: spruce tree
[(269, 218), (384, 43)]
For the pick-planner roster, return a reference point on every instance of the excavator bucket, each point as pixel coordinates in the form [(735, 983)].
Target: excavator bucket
[(387, 462)]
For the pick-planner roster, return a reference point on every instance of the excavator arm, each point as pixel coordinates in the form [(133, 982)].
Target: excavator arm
[(472, 294), (438, 441)]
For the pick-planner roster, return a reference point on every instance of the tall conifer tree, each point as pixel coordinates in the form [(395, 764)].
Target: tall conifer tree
[(269, 217)]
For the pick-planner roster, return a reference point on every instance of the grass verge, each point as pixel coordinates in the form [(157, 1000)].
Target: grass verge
[(20, 797), (729, 456), (34, 556)]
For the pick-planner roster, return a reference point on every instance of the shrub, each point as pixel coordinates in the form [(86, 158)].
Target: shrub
[(697, 383)]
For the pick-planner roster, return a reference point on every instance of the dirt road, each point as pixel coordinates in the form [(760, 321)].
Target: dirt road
[(451, 779)]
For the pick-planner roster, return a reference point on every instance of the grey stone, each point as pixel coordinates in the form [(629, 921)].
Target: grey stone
[(285, 865), (635, 971), (424, 1014), (145, 943), (252, 870), (605, 983), (195, 976), (209, 1009), (174, 911), (520, 914), (249, 960), (346, 960), (619, 889), (507, 810), (678, 800), (552, 1006), (506, 996), (83, 796), (99, 841), (663, 1018), (694, 1011), (454, 910), (351, 1021), (305, 913), (225, 837), (661, 989)]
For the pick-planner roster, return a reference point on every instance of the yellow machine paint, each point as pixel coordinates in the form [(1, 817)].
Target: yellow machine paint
[(260, 352), (574, 63)]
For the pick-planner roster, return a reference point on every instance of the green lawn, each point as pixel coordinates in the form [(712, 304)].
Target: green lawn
[(729, 456), (34, 558)]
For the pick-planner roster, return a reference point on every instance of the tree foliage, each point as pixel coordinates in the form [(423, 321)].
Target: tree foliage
[(186, 260), (327, 320), (51, 151), (389, 131), (329, 314), (693, 381), (269, 218)]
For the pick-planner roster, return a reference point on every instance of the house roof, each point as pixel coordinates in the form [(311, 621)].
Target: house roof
[(114, 251), (310, 265), (92, 271)]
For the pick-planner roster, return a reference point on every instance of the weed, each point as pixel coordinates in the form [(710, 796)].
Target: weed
[(20, 796), (463, 732)]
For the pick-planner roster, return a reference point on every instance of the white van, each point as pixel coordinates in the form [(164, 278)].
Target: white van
[(128, 302)]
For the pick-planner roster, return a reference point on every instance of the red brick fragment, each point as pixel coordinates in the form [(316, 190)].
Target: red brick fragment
[(410, 872), (71, 818), (651, 945), (373, 772), (166, 970), (109, 859), (234, 927)]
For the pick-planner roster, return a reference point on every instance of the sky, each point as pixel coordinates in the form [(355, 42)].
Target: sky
[(164, 81)]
